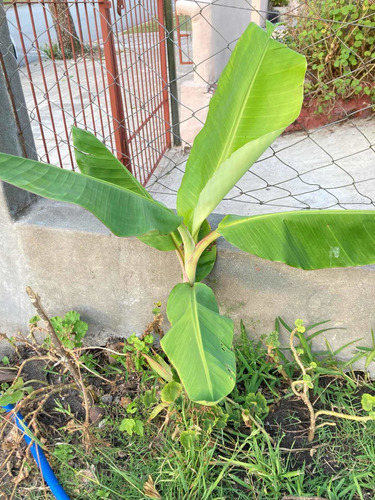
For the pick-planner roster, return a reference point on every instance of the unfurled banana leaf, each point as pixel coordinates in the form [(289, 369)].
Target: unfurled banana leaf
[(123, 211), (309, 240), (95, 160), (259, 94), (199, 343)]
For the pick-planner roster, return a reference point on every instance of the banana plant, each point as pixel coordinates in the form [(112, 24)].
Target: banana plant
[(259, 94)]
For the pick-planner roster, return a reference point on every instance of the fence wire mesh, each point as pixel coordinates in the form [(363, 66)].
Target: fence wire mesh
[(327, 159), (324, 161)]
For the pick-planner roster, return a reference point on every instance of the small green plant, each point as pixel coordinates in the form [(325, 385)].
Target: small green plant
[(240, 126), (279, 3), (64, 452), (337, 37), (132, 426), (12, 394), (5, 360), (53, 51), (367, 352), (136, 347), (70, 330)]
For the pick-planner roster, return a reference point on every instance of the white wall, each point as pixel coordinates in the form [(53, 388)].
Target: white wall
[(216, 28)]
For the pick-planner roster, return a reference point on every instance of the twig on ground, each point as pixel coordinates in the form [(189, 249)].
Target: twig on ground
[(65, 356)]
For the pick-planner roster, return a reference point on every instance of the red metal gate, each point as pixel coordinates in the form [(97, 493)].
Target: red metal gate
[(100, 65)]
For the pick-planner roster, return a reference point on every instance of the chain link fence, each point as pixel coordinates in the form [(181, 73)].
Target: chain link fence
[(326, 160)]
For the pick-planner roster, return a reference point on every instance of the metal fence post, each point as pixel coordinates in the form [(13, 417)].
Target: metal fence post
[(169, 30), (164, 71), (115, 96), (16, 136)]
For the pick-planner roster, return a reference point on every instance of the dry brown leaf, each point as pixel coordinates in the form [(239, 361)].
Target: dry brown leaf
[(149, 489), (11, 440), (125, 401), (87, 475), (23, 474)]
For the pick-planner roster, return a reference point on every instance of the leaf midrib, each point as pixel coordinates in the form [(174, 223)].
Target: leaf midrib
[(198, 336), (243, 106)]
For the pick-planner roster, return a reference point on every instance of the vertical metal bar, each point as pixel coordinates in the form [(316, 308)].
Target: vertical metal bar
[(180, 36), (46, 88), (32, 86), (164, 74), (128, 93), (97, 97), (168, 17), (106, 110), (115, 96), (57, 83), (178, 30)]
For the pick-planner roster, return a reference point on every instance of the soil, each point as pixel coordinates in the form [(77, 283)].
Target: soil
[(288, 418)]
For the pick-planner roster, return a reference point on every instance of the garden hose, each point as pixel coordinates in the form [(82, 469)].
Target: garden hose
[(36, 451)]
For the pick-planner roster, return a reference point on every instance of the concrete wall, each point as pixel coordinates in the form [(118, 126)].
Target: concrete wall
[(74, 262), (215, 29)]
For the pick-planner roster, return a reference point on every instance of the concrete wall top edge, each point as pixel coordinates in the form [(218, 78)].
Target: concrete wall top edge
[(64, 216)]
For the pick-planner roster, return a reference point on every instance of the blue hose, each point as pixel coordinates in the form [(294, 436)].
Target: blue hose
[(40, 459)]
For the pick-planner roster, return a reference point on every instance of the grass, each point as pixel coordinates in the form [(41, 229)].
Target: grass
[(152, 26), (190, 452)]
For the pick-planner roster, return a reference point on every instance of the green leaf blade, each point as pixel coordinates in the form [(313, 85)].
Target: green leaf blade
[(199, 343), (314, 239), (123, 211), (95, 160), (241, 125)]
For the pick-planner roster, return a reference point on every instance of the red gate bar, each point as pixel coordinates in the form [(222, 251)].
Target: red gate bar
[(115, 95)]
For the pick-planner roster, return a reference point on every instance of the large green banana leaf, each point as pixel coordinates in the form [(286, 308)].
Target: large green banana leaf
[(95, 160), (309, 239), (259, 94), (199, 343), (123, 211)]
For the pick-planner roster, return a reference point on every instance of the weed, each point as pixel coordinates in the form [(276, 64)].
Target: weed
[(338, 48)]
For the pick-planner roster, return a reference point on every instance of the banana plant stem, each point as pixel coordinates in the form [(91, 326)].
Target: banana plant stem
[(191, 261), (180, 257), (187, 239)]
